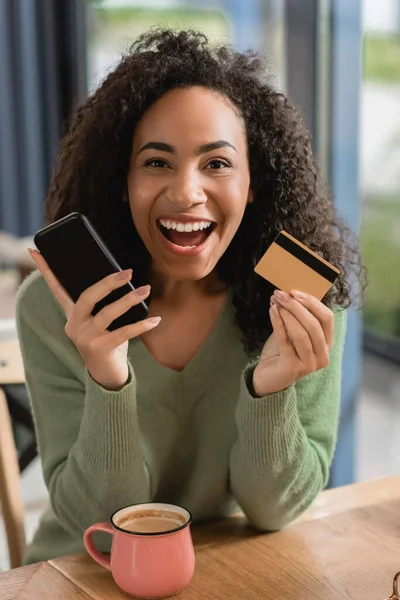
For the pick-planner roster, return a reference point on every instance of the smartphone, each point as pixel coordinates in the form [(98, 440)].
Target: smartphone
[(79, 258)]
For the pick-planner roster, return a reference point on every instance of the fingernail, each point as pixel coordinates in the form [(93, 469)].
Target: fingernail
[(124, 275), (154, 320), (273, 300), (282, 296), (143, 290), (299, 295)]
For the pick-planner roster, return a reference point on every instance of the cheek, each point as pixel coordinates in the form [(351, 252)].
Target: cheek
[(234, 205), (140, 201), (143, 192), (234, 196)]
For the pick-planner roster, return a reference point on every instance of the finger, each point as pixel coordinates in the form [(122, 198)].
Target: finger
[(281, 336), (96, 292), (324, 314), (112, 340), (310, 322), (109, 313), (55, 286), (300, 338)]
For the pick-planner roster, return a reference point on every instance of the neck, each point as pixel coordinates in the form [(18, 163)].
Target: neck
[(175, 293)]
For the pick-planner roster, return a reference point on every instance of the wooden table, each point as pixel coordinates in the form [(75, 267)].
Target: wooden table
[(346, 546), (11, 365), (11, 372)]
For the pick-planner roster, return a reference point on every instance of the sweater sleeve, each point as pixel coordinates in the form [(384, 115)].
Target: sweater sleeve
[(88, 438), (286, 441)]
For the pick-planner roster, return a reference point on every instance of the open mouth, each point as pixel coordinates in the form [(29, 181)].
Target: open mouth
[(186, 235)]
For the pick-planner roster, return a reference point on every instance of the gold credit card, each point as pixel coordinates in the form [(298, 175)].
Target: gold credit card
[(290, 265)]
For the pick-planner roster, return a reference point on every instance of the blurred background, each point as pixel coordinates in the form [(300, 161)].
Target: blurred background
[(338, 60)]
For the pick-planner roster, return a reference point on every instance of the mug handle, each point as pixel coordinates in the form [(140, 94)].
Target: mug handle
[(98, 556)]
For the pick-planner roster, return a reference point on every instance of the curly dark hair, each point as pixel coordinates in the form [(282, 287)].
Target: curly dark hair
[(91, 170)]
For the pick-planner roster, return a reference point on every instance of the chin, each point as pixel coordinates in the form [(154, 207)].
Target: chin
[(187, 273)]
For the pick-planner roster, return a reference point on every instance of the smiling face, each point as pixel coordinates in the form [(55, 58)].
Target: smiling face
[(188, 181)]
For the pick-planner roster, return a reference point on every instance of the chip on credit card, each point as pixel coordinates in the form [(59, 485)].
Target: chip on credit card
[(290, 265)]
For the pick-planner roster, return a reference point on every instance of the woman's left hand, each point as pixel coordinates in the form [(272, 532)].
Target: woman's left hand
[(300, 344)]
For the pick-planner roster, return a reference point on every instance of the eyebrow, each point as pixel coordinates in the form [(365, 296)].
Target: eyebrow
[(203, 149)]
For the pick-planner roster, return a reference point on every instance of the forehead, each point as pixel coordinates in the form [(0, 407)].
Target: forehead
[(194, 113)]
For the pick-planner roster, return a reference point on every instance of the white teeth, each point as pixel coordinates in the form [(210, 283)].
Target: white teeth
[(187, 227)]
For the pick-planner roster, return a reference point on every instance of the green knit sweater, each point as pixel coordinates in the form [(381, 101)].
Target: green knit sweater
[(195, 438)]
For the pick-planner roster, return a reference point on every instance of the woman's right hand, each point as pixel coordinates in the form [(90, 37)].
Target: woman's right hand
[(103, 352)]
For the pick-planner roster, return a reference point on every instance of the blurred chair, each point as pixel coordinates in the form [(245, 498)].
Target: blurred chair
[(11, 373), (14, 250), (17, 401), (14, 253)]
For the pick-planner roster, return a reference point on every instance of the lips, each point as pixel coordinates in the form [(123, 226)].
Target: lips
[(185, 243), (188, 238)]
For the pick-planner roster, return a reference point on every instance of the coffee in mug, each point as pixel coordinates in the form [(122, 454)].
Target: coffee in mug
[(150, 521), (152, 553)]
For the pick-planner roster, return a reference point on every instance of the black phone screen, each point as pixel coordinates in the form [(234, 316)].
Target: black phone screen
[(79, 258)]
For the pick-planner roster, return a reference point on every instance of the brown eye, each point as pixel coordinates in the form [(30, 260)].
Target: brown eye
[(217, 164), (157, 163)]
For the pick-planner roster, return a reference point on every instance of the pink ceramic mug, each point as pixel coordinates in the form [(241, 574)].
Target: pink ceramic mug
[(147, 563)]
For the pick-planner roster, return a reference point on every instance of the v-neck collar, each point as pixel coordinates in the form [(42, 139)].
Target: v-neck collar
[(199, 370)]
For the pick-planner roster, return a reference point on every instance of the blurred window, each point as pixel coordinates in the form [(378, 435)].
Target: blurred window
[(380, 166), (114, 24)]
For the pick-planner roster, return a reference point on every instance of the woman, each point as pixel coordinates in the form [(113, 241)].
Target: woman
[(188, 163)]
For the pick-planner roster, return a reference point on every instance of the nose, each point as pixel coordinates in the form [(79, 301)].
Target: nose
[(185, 190)]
